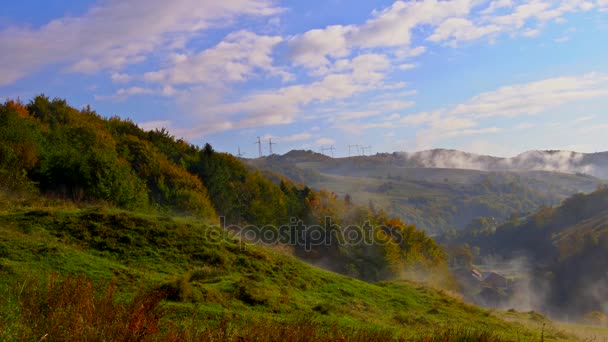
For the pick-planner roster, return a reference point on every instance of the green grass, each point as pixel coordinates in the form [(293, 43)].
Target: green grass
[(210, 281)]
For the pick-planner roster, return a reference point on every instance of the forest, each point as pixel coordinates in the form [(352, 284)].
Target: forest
[(51, 148)]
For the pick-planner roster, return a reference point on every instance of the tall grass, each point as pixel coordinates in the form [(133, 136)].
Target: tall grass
[(75, 309)]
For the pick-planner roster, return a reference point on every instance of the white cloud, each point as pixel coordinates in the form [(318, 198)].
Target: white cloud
[(352, 115), (525, 125), (290, 138), (116, 33), (451, 22), (123, 93), (531, 33), (459, 29), (236, 58), (311, 48), (391, 27), (280, 106), (120, 77), (325, 141), (407, 66), (535, 97), (510, 101), (152, 125), (526, 18), (497, 5), (584, 118), (407, 53)]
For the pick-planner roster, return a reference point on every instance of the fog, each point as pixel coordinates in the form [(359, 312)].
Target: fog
[(558, 161)]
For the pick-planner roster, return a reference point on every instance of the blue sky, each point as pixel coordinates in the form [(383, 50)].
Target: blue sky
[(494, 77)]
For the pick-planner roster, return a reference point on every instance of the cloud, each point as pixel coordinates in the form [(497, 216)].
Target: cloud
[(451, 22), (407, 66), (457, 30), (347, 116), (325, 141), (118, 77), (525, 18), (311, 48), (280, 106), (152, 125), (235, 59), (532, 98), (497, 5), (123, 93), (116, 33), (290, 138), (584, 118), (407, 52), (391, 27)]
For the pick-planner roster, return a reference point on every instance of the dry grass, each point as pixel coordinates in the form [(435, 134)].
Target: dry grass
[(75, 309)]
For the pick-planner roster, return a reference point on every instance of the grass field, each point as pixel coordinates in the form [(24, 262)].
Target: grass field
[(76, 273)]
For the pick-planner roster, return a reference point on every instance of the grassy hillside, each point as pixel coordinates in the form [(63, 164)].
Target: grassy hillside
[(211, 285), (50, 148)]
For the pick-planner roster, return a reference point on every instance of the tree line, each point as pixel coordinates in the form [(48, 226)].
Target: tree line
[(52, 149)]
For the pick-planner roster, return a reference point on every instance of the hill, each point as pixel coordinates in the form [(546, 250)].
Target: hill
[(567, 248), (211, 286), (50, 148), (414, 188)]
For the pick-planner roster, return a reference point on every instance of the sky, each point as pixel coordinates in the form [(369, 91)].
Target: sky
[(495, 77)]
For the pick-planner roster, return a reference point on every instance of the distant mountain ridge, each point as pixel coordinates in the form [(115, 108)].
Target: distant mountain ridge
[(441, 190), (593, 164)]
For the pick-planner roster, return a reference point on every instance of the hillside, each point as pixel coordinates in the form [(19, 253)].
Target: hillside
[(50, 148), (208, 278), (435, 199), (567, 248)]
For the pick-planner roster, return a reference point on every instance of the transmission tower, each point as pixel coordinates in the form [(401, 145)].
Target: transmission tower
[(240, 155), (259, 142), (270, 143), (368, 148), (331, 149), (350, 147)]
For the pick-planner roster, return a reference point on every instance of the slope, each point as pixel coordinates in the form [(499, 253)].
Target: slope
[(209, 277), (568, 246)]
